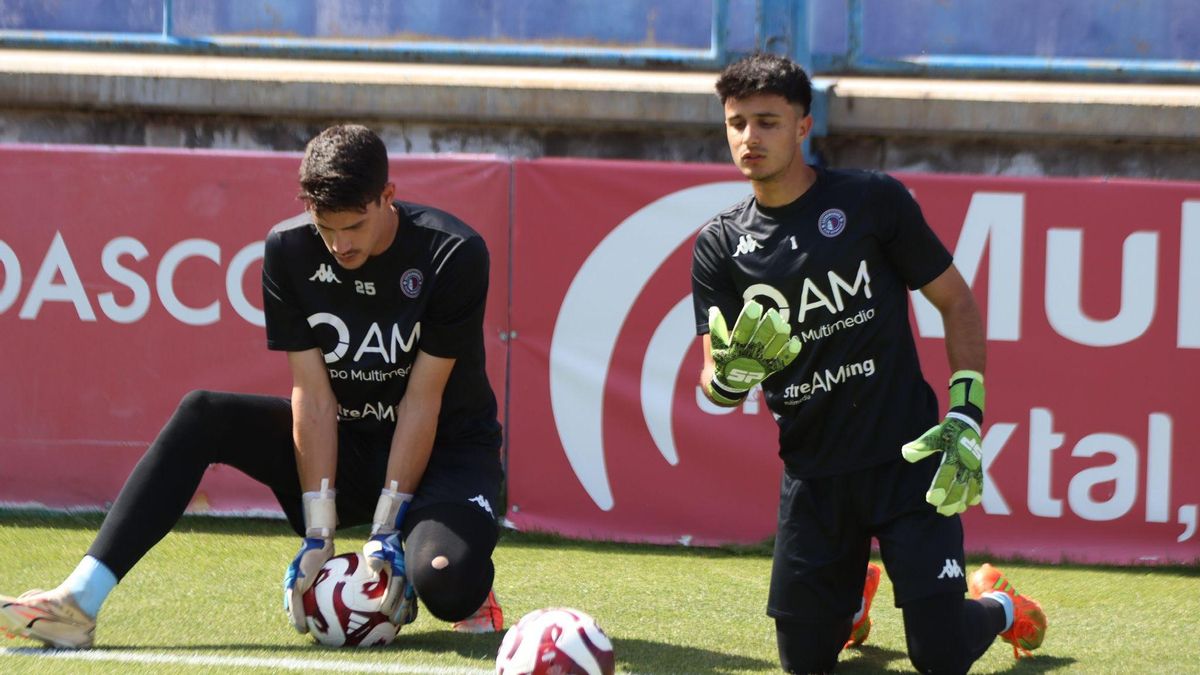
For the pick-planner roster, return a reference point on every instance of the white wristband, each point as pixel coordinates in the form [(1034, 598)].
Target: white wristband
[(320, 511), (388, 510)]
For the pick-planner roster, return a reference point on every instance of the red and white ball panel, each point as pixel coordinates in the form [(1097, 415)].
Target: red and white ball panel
[(342, 606), (556, 641)]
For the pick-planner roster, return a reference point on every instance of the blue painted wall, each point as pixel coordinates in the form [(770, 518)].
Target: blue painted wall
[(1152, 29)]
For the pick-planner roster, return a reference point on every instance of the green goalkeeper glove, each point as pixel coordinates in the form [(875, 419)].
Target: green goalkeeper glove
[(760, 346), (958, 482)]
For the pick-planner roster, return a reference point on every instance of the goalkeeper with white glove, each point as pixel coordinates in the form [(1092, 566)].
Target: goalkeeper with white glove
[(760, 345), (384, 552), (958, 482), (320, 520)]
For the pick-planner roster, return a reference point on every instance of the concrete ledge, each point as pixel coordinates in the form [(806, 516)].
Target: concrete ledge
[(1031, 109), (565, 97), (419, 92)]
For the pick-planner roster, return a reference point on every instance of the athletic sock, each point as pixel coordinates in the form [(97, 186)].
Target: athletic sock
[(90, 584), (1006, 602)]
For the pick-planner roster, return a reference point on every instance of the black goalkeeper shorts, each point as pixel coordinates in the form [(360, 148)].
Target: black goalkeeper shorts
[(823, 541)]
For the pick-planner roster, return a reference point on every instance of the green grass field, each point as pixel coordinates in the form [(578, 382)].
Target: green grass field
[(207, 600)]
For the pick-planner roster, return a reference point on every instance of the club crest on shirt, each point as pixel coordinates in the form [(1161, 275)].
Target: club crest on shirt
[(411, 281), (832, 222)]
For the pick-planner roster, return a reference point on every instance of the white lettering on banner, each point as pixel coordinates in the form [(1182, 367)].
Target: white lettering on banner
[(996, 222), (1064, 274), (233, 283), (58, 263), (188, 248), (12, 277), (1122, 473), (1189, 276), (110, 260)]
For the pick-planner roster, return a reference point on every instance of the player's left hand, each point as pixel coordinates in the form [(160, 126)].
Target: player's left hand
[(958, 482)]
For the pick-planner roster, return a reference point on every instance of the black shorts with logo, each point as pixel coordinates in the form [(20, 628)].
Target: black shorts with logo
[(824, 536)]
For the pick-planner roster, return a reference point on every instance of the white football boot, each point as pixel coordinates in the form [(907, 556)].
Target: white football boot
[(49, 616)]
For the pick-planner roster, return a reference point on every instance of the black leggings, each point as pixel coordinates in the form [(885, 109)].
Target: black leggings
[(254, 435), (945, 634)]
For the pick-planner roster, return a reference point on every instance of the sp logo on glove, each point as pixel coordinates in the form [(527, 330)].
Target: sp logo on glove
[(958, 482), (761, 345)]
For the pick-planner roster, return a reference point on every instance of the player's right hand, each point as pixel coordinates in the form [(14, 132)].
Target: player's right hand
[(301, 574), (760, 345), (320, 521)]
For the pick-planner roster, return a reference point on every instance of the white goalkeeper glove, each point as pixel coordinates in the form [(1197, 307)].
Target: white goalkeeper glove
[(958, 482), (385, 553), (320, 520), (761, 345)]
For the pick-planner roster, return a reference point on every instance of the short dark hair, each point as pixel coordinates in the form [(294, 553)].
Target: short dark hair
[(762, 73), (344, 168)]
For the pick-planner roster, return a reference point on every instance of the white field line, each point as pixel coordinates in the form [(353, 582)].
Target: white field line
[(237, 661)]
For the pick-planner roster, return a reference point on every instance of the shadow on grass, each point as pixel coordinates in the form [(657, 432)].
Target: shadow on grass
[(661, 658), (1043, 663), (643, 656), (872, 659)]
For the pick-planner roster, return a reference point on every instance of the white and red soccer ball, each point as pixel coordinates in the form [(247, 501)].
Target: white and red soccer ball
[(342, 606), (557, 641)]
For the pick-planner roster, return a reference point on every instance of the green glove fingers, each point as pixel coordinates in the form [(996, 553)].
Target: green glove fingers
[(926, 445), (745, 328), (718, 331), (759, 346), (958, 482)]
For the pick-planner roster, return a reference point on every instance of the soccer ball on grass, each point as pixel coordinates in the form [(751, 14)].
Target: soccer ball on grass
[(556, 641), (342, 606)]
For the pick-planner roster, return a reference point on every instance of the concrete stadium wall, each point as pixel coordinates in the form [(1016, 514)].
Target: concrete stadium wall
[(992, 128)]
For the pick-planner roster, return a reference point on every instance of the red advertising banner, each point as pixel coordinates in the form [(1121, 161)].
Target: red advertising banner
[(1091, 294), (129, 277)]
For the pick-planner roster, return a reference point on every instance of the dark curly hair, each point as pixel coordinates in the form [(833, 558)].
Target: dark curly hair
[(344, 168), (766, 74)]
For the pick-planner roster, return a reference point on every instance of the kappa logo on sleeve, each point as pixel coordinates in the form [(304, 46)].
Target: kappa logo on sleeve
[(325, 274)]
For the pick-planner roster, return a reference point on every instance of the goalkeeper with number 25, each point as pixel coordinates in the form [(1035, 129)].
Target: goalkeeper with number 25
[(379, 305), (802, 288)]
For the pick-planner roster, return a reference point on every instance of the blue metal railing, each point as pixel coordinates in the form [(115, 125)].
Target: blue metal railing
[(715, 57), (964, 66), (782, 26)]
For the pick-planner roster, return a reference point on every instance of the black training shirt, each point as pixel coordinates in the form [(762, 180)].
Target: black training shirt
[(838, 263), (426, 291)]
